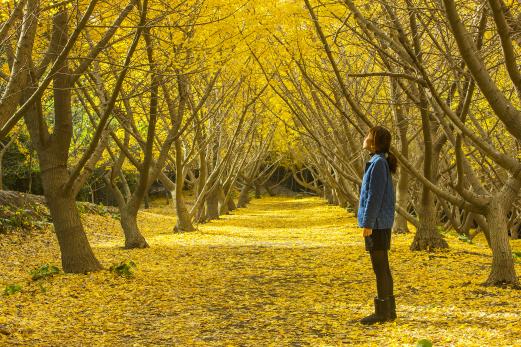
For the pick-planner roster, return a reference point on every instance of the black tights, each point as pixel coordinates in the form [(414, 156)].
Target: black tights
[(384, 279)]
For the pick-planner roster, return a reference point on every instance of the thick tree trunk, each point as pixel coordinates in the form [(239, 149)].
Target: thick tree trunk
[(223, 204), (76, 253), (212, 205), (244, 196), (184, 220), (146, 201), (402, 198), (427, 236), (402, 188), (228, 204), (128, 210), (53, 150), (200, 214), (342, 201), (133, 237), (483, 225), (328, 194), (354, 207), (334, 197), (258, 194), (269, 190), (231, 204), (503, 271), (515, 231)]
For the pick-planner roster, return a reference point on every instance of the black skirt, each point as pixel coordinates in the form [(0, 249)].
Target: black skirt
[(379, 240)]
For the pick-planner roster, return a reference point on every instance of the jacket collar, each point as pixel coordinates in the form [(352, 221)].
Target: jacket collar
[(375, 156)]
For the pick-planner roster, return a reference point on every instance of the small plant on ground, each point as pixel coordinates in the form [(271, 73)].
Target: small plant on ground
[(19, 219), (124, 269), (44, 271), (465, 238), (424, 343), (12, 288)]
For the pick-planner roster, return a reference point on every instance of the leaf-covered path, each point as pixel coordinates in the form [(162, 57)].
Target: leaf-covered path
[(281, 272)]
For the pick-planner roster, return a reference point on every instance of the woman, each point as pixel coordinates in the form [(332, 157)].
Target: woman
[(376, 217)]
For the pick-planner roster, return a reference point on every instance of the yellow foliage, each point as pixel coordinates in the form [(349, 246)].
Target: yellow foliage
[(5, 69)]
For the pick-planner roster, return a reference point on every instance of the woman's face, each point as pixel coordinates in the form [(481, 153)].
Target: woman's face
[(369, 143)]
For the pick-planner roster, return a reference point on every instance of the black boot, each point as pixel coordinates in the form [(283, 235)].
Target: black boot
[(377, 316), (389, 308)]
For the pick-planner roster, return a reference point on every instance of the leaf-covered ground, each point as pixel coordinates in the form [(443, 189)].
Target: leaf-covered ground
[(283, 272)]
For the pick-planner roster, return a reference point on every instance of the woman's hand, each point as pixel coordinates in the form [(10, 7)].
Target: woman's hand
[(367, 232)]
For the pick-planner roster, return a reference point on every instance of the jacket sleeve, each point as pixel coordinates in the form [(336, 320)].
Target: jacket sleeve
[(375, 193)]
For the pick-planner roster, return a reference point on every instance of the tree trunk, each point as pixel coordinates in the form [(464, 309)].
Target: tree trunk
[(184, 221), (483, 226), (269, 190), (128, 210), (167, 197), (328, 194), (212, 205), (133, 237), (200, 214), (258, 194), (244, 196), (231, 204), (514, 231), (427, 236), (76, 253), (503, 271), (146, 200), (53, 150), (223, 204), (228, 199), (342, 201), (334, 197), (402, 199), (402, 189)]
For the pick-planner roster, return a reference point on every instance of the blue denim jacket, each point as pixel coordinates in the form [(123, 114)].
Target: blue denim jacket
[(377, 197)]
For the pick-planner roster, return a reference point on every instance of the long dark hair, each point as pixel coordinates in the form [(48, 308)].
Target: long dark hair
[(382, 143)]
